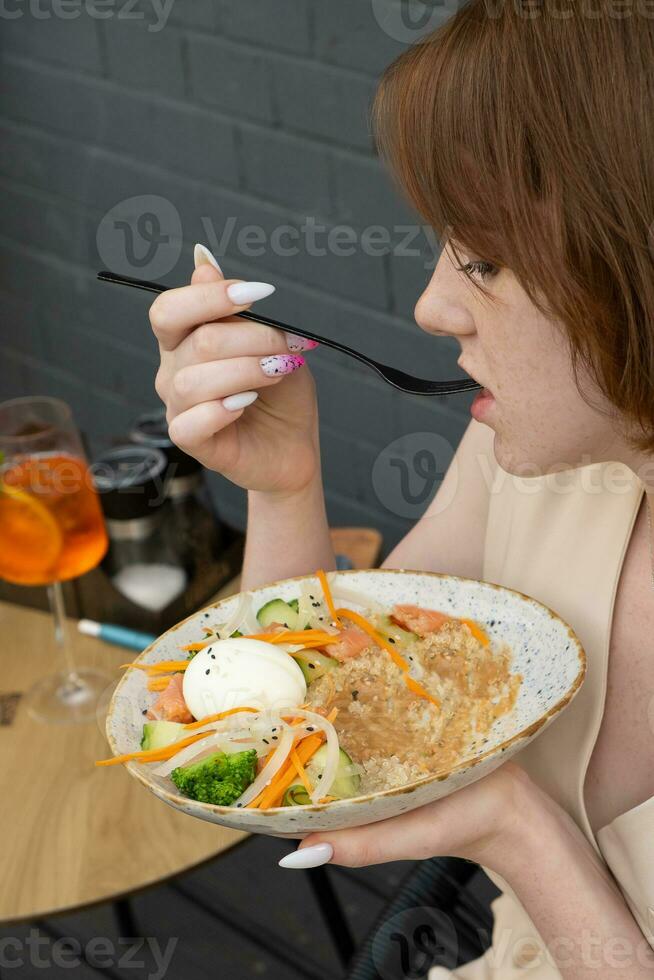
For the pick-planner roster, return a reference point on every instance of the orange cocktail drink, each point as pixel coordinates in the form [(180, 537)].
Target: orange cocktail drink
[(51, 525)]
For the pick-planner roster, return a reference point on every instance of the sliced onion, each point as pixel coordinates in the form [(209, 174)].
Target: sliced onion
[(242, 616), (358, 598), (223, 735), (270, 770), (189, 753), (320, 723)]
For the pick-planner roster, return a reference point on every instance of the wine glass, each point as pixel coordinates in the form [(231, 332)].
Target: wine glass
[(51, 530)]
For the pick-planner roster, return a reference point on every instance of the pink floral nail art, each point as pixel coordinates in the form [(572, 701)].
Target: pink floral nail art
[(281, 364), (300, 343)]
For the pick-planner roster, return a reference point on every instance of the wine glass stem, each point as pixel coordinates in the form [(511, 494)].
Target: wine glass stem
[(56, 598)]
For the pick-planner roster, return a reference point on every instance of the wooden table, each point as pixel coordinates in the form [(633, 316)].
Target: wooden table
[(73, 834)]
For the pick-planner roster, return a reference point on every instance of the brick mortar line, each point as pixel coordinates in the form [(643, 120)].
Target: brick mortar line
[(110, 84), (278, 55), (285, 213), (67, 376)]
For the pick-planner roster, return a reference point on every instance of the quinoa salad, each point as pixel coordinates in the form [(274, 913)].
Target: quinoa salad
[(321, 698)]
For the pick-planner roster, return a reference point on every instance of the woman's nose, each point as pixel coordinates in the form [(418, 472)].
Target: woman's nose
[(443, 307)]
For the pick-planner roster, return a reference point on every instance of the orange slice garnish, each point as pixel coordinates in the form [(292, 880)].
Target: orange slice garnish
[(31, 537)]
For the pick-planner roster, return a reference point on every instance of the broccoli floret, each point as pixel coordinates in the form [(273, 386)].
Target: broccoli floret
[(218, 779)]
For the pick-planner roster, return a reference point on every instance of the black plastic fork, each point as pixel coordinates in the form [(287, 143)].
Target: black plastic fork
[(398, 379)]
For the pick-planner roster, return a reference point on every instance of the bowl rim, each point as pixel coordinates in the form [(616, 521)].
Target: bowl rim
[(135, 768)]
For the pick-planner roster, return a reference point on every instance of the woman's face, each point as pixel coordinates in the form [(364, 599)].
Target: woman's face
[(541, 422)]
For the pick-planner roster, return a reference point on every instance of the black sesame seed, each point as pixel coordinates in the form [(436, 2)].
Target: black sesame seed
[(208, 670), (213, 656), (206, 615), (310, 728), (274, 738), (265, 740), (391, 640), (312, 666)]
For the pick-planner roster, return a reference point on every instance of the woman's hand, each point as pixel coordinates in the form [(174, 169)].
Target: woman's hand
[(482, 822), (209, 359)]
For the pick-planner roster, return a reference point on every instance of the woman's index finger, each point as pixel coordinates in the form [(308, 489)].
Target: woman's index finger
[(175, 313)]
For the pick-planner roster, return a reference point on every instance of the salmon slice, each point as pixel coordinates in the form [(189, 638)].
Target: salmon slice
[(170, 705), (351, 642), (417, 620)]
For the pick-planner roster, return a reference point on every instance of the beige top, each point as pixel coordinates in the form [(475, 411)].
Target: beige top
[(563, 540)]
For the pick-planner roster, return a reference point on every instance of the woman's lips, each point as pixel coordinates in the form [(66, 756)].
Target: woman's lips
[(482, 405)]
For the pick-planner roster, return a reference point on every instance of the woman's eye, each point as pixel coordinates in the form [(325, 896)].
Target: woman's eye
[(479, 270)]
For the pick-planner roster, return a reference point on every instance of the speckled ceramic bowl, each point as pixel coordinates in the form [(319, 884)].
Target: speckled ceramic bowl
[(545, 651)]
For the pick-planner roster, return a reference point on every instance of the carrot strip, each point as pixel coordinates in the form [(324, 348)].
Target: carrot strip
[(217, 717), (195, 647), (327, 592), (372, 632), (315, 637), (301, 771), (159, 683), (154, 755), (274, 792), (162, 666), (418, 689), (477, 631)]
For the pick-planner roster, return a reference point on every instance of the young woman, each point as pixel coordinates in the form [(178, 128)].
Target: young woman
[(524, 134)]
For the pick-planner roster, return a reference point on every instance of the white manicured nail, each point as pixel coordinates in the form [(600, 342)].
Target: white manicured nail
[(242, 293), (202, 256), (234, 403), (308, 857)]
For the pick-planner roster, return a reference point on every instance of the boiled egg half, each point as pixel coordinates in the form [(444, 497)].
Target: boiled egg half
[(242, 673)]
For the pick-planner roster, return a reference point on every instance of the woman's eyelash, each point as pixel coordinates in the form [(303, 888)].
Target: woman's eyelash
[(479, 269)]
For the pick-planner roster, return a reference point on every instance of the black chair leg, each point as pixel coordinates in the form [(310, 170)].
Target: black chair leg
[(125, 918), (332, 913)]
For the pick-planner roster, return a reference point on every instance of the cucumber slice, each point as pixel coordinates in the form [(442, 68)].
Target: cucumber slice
[(158, 734), (294, 604), (313, 664), (345, 785), (296, 796), (392, 631), (347, 780), (277, 611)]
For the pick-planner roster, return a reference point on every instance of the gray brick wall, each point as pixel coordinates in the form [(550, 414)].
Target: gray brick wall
[(240, 113)]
